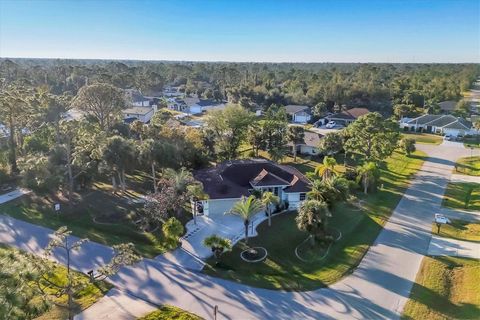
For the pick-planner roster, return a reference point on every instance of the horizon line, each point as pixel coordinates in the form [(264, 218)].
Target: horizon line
[(232, 61)]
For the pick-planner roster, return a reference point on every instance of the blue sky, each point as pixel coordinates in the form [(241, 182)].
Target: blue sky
[(243, 30)]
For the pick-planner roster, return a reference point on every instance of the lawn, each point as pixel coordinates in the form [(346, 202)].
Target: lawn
[(114, 218), (283, 270), (469, 166), (472, 142), (85, 298), (462, 195), (445, 288), (460, 230), (170, 313), (424, 138)]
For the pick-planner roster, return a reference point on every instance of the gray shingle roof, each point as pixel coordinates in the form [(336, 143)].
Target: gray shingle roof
[(232, 179), (293, 108), (442, 121)]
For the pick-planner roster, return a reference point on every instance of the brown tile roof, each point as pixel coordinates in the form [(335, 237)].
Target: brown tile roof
[(232, 179), (356, 112)]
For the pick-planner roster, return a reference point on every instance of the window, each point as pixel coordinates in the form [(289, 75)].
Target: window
[(275, 191), (303, 196)]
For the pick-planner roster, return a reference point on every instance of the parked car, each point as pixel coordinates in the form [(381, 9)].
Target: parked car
[(448, 137), (459, 138), (440, 218), (331, 125)]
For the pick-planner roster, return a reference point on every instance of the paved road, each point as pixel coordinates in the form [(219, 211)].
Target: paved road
[(377, 289)]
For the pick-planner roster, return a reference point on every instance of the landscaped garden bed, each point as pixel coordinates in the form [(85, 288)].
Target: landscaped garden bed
[(169, 313)]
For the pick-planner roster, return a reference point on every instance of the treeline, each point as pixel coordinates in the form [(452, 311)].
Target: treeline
[(376, 86)]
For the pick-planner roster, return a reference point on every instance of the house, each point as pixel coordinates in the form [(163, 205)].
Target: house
[(309, 145), (299, 114), (144, 114), (197, 106), (447, 106), (346, 117), (176, 104), (227, 182), (440, 124), (171, 92), (136, 99)]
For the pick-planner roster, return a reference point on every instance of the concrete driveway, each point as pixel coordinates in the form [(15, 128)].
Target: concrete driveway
[(228, 226), (440, 246)]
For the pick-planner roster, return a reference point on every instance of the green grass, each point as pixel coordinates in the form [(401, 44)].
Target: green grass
[(99, 203), (469, 166), (283, 270), (445, 288), (460, 230), (84, 299), (462, 195), (424, 138), (170, 313), (472, 142)]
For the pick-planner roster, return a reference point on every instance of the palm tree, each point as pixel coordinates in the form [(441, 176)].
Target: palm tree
[(269, 199), (182, 178), (330, 191), (246, 208), (295, 135), (368, 174), (326, 170), (218, 245), (313, 218)]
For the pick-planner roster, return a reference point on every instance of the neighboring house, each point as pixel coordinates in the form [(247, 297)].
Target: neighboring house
[(144, 114), (299, 114), (227, 182), (198, 106), (171, 92), (136, 99), (447, 106), (176, 104), (440, 124), (346, 117), (309, 144)]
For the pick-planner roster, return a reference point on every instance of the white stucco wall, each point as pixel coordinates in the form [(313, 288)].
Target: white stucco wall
[(301, 117), (308, 150)]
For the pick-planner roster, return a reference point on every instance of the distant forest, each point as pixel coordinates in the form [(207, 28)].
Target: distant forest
[(378, 87)]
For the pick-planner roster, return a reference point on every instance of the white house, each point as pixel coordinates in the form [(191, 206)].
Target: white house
[(198, 106), (227, 182), (309, 145), (136, 99), (440, 124), (176, 104), (345, 117), (144, 114), (299, 114)]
